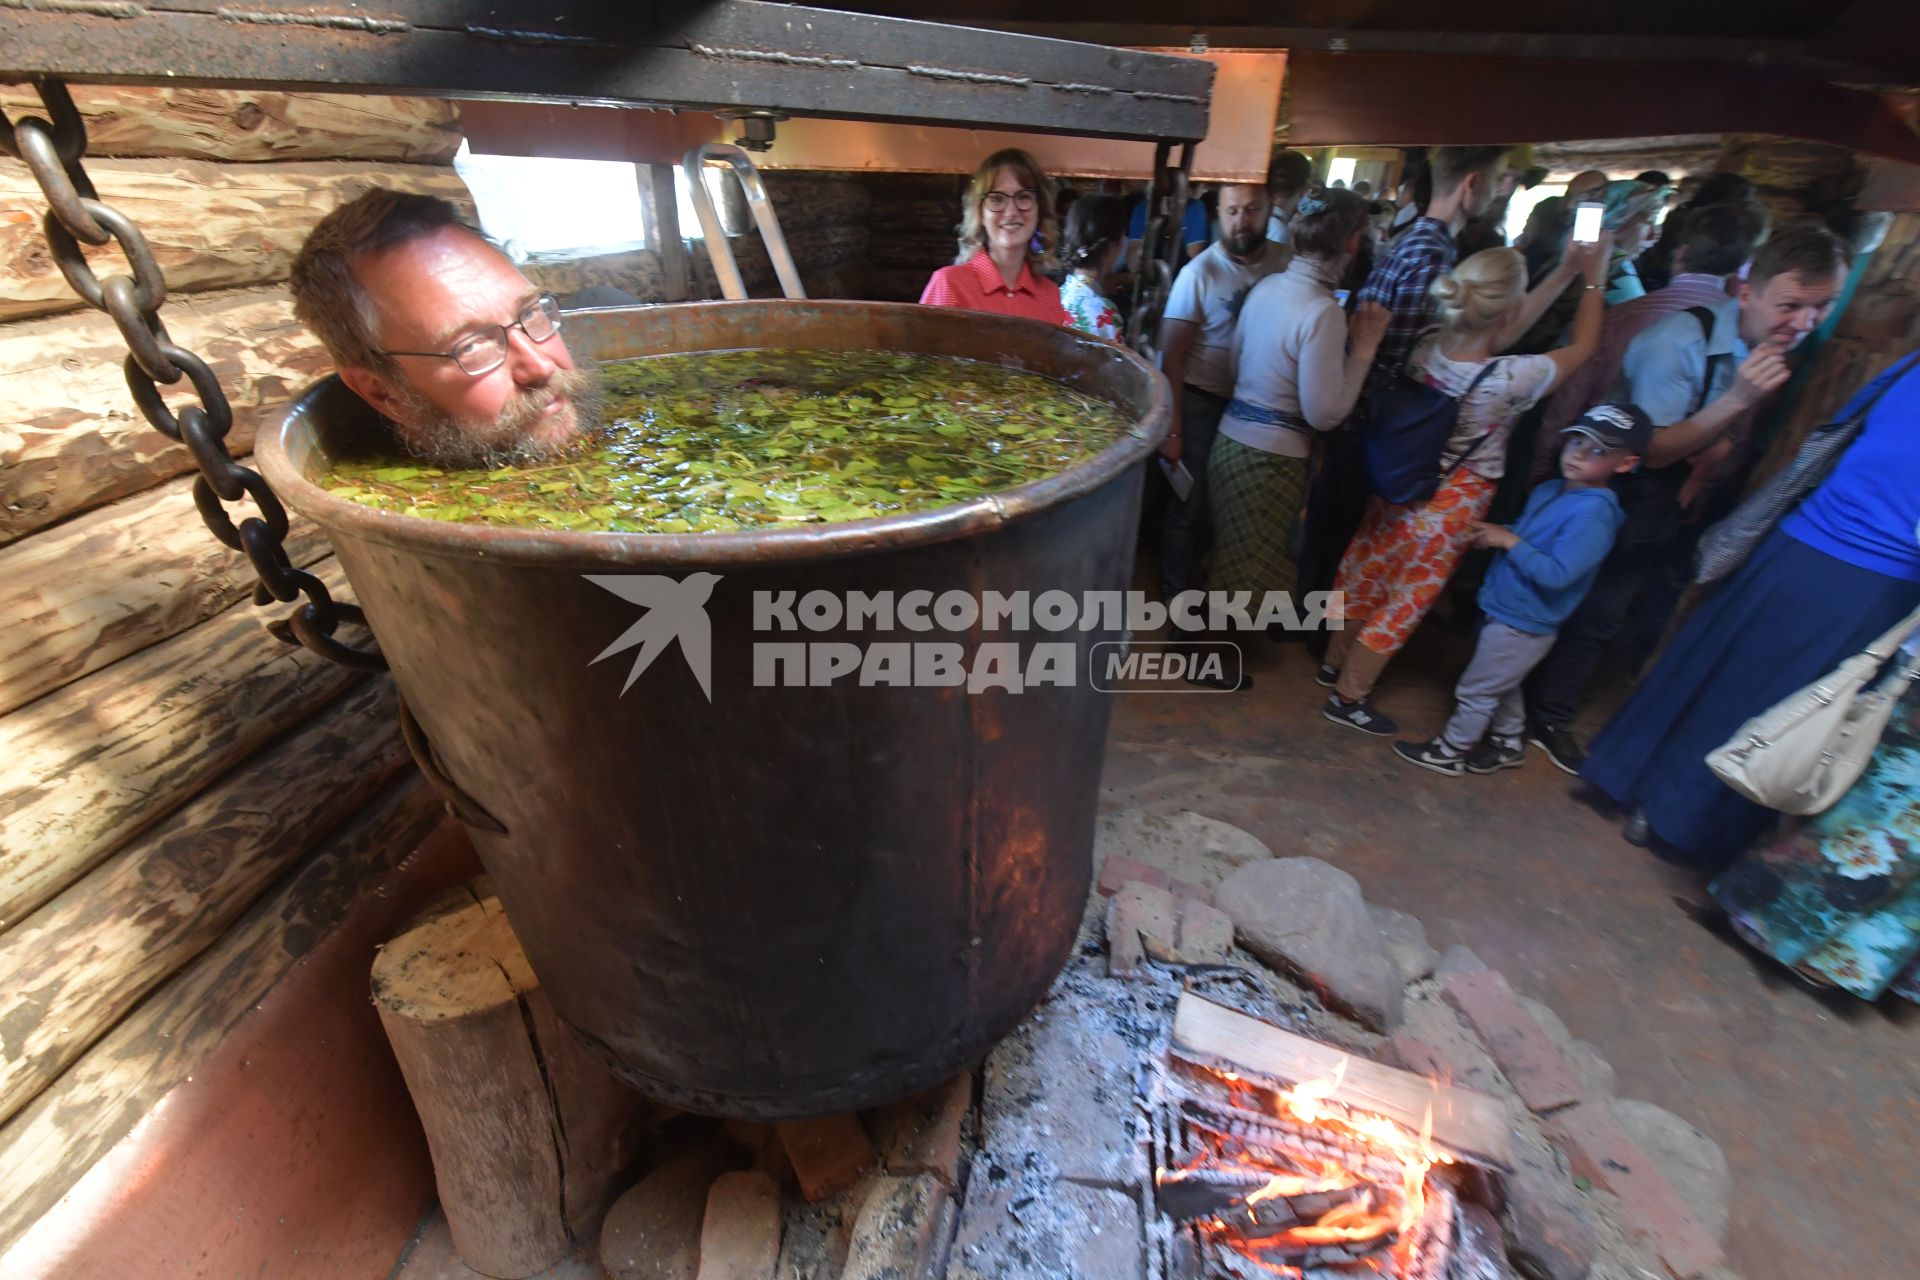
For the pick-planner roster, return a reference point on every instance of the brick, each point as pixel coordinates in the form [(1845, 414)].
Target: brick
[(903, 1231), (923, 1134), (740, 1239), (828, 1155), (1185, 891), (1433, 1042), (1527, 1056), (1206, 933), (1601, 1151), (653, 1230), (1119, 869), (1140, 923)]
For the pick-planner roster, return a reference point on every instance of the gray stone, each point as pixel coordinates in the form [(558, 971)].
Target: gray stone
[(813, 1244), (1458, 959), (1308, 918), (1463, 1060), (1549, 1223), (1062, 1086), (1406, 940), (903, 1230), (1186, 845), (1019, 1225), (1479, 1247), (1688, 1158), (652, 1232)]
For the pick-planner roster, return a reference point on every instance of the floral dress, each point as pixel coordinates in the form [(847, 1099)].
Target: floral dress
[(1088, 310), (1837, 895), (1402, 556)]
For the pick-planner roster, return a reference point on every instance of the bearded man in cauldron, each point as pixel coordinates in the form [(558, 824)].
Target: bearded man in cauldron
[(432, 325)]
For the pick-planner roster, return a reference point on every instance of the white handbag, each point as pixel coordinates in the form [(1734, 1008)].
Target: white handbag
[(1802, 754)]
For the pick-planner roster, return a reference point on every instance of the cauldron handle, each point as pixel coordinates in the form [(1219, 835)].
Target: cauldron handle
[(725, 270), (458, 802)]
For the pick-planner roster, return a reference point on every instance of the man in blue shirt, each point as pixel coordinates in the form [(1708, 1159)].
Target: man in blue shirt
[(1698, 374)]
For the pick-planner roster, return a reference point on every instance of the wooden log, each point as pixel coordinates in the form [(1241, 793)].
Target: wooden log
[(57, 1137), (526, 1130), (639, 271), (70, 438), (75, 966), (254, 125), (211, 226), (88, 767), (1469, 1123), (115, 581)]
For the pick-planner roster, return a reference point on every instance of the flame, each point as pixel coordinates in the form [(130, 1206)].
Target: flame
[(1376, 1214)]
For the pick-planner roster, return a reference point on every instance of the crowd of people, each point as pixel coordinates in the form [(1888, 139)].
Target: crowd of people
[(1602, 401)]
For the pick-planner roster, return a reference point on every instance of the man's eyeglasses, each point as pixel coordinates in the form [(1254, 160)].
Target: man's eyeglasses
[(998, 201), (485, 350)]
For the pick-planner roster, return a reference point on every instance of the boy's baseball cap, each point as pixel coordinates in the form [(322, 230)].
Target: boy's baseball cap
[(1617, 426)]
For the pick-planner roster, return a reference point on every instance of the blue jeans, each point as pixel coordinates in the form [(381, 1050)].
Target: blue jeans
[(1187, 530)]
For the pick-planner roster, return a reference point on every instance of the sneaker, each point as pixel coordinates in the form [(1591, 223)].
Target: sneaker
[(1432, 754), (1359, 715), (1561, 747), (1327, 676), (1493, 755)]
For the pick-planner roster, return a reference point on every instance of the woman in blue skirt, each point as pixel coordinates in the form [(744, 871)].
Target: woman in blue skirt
[(1828, 582)]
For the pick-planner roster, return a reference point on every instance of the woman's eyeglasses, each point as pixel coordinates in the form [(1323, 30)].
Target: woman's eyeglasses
[(485, 350), (998, 201)]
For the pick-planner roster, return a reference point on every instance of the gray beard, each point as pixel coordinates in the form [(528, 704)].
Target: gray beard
[(438, 438)]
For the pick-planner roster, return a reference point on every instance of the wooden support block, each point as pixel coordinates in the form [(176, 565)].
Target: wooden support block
[(828, 1155), (1468, 1124), (526, 1130), (740, 1238)]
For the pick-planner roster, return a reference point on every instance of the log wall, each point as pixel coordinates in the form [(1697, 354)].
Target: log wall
[(186, 804)]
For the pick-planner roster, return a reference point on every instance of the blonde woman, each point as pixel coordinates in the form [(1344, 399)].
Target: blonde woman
[(1402, 555), (1006, 240)]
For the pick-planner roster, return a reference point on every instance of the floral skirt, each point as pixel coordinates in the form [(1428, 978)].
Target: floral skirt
[(1837, 895), (1401, 557)]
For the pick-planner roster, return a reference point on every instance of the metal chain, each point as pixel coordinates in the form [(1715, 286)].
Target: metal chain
[(52, 151)]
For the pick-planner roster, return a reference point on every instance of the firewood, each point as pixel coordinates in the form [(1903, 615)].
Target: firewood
[(71, 438), (1469, 1124), (254, 124), (211, 226), (526, 1129), (87, 767), (149, 570), (78, 964), (100, 1098)]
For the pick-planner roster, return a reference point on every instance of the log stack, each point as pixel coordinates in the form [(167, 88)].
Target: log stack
[(187, 806)]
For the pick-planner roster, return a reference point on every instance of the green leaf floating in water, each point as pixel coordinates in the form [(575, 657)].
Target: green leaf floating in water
[(759, 439)]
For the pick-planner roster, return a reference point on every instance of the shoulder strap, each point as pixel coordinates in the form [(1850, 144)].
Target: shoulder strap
[(1888, 380), (1705, 316)]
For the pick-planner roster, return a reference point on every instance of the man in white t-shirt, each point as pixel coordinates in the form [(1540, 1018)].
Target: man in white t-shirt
[(1196, 339)]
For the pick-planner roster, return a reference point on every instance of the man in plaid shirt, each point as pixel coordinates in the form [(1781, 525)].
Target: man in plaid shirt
[(1465, 180)]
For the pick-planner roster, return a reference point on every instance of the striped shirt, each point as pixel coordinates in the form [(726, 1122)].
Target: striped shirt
[(1400, 285)]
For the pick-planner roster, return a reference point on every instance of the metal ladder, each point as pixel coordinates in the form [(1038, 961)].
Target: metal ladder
[(693, 166)]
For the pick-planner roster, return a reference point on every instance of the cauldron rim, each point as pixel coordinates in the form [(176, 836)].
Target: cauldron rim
[(285, 449)]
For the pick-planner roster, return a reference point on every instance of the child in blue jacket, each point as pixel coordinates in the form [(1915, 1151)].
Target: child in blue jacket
[(1552, 555)]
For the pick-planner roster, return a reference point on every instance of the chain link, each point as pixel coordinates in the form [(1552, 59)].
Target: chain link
[(53, 150)]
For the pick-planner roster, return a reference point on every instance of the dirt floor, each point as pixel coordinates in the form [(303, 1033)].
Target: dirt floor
[(1815, 1099)]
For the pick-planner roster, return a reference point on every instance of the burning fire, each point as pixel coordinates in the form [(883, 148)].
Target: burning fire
[(1302, 1179)]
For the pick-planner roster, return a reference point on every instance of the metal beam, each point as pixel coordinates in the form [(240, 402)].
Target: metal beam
[(739, 53)]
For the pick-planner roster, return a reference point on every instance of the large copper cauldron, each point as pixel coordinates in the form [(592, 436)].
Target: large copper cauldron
[(785, 901)]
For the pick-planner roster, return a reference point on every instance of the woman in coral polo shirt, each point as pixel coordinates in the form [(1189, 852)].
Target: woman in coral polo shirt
[(1009, 209)]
